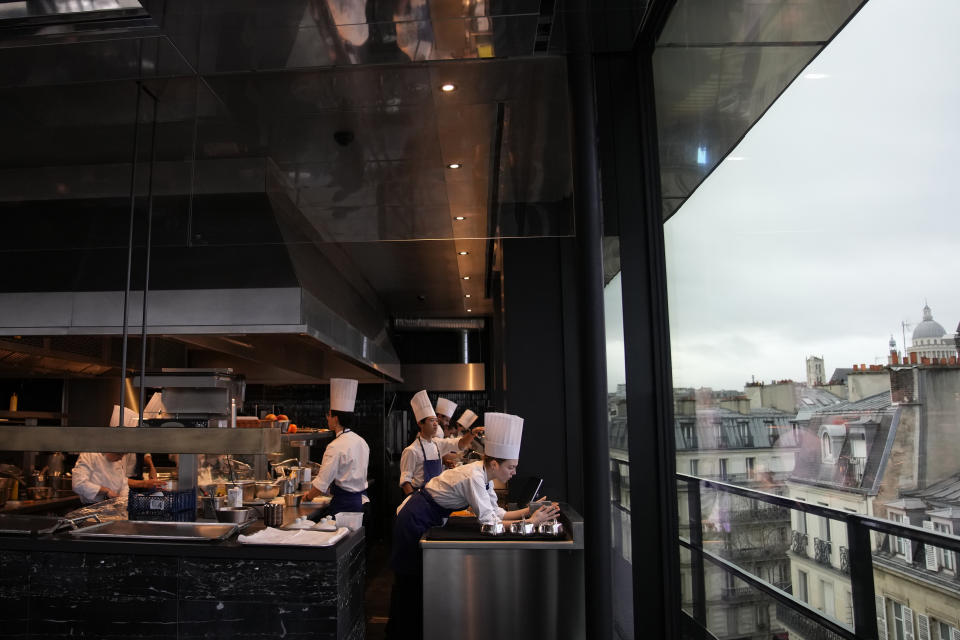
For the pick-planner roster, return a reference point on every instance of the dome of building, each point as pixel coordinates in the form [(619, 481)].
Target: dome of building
[(929, 328)]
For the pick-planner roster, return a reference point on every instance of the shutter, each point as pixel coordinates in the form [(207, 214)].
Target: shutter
[(931, 551), (923, 625), (908, 623), (954, 633), (882, 619)]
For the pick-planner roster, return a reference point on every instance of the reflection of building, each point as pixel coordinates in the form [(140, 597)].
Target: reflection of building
[(893, 455), (787, 395), (719, 436), (930, 339)]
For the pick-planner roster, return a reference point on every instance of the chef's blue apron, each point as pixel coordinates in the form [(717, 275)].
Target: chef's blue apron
[(431, 468), (419, 514)]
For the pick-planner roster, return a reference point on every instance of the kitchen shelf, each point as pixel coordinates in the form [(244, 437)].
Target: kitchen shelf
[(142, 439)]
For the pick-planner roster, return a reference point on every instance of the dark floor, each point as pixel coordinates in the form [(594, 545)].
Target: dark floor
[(379, 582)]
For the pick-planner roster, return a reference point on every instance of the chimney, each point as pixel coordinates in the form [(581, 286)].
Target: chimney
[(913, 357), (894, 357), (953, 360), (856, 367), (924, 360)]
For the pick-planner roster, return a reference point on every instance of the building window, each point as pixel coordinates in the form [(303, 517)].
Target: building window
[(688, 435), (802, 586), (902, 622), (826, 448), (723, 468), (900, 545), (945, 556), (752, 468), (826, 595), (694, 467)]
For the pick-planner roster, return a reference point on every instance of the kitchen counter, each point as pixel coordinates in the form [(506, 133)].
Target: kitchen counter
[(58, 586), (56, 506)]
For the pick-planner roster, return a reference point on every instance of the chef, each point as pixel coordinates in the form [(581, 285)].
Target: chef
[(465, 421), (343, 471), (445, 411), (423, 459), (101, 476), (468, 485)]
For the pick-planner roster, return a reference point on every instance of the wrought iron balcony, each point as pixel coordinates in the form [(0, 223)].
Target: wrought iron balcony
[(799, 543), (802, 625), (821, 551), (844, 560)]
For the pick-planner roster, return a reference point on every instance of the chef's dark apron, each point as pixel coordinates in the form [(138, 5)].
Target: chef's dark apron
[(431, 468), (419, 514)]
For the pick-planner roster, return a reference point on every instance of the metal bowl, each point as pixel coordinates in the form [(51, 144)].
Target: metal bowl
[(552, 528), (523, 528), (292, 499), (238, 515), (267, 490), (494, 529)]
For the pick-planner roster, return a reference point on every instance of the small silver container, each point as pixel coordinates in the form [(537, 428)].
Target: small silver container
[(523, 528), (292, 499), (494, 529), (552, 528), (273, 514), (237, 515)]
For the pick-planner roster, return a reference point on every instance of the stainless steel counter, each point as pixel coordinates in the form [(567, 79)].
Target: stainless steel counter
[(480, 587)]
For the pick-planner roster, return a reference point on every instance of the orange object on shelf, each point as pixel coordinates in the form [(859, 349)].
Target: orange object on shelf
[(282, 416), (292, 428), (269, 417)]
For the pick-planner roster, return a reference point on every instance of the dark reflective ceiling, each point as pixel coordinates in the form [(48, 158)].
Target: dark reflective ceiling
[(719, 66)]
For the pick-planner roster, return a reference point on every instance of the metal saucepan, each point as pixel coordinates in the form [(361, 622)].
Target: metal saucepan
[(494, 529), (267, 490), (523, 528), (237, 515), (552, 528)]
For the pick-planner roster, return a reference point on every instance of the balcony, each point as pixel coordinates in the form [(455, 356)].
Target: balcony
[(803, 626), (821, 551), (799, 543), (845, 560), (765, 514)]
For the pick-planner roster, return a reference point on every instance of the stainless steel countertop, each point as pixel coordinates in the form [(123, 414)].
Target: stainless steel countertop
[(572, 537)]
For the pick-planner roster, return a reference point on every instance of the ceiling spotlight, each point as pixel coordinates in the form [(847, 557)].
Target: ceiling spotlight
[(460, 218), (453, 165), (448, 87), (466, 295), (469, 310), (463, 253), (466, 277)]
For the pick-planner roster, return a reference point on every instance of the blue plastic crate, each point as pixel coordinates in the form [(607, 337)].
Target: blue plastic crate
[(152, 504)]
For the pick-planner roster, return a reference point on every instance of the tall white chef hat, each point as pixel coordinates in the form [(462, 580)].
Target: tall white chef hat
[(446, 407), (467, 418), (502, 436), (422, 407), (343, 394)]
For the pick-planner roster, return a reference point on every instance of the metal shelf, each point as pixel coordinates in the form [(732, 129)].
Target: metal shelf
[(308, 436), (141, 440)]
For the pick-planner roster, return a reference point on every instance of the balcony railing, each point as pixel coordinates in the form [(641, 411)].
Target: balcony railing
[(845, 560), (799, 616), (821, 550), (765, 514), (799, 543)]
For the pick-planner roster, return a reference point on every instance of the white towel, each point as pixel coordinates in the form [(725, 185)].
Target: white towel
[(303, 537)]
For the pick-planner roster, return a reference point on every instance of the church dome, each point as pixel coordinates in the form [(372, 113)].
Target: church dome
[(929, 328)]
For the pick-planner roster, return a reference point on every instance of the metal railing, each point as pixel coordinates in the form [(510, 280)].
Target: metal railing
[(804, 618), (821, 551), (844, 560), (799, 543)]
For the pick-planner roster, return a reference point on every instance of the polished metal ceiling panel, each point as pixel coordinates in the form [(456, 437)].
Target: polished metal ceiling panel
[(719, 66)]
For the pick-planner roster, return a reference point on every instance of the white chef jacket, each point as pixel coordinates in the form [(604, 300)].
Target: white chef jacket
[(345, 462), (93, 471), (411, 460), (467, 485)]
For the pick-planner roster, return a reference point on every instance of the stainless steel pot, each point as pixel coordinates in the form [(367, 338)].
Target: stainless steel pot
[(237, 515), (267, 490), (552, 528), (523, 528), (494, 529)]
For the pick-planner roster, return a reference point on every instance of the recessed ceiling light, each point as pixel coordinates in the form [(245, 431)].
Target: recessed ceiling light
[(463, 253), (466, 295), (466, 277), (460, 218), (448, 87), (469, 310), (453, 165)]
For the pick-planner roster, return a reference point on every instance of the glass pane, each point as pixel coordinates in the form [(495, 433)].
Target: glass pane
[(622, 560), (812, 324)]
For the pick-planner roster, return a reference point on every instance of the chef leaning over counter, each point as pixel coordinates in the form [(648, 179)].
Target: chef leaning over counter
[(468, 485), (343, 470)]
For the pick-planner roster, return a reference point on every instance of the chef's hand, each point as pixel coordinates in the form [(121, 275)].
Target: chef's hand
[(545, 513), (450, 460), (477, 431)]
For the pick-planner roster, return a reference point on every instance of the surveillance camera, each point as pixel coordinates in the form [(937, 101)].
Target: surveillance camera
[(343, 138)]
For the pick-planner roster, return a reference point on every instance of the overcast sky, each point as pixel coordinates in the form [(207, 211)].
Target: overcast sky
[(840, 219)]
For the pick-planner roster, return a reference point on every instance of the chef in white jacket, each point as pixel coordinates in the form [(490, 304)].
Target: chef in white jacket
[(100, 476), (468, 485), (343, 470), (445, 410), (422, 460)]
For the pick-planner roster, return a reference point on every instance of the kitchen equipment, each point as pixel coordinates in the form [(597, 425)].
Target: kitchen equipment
[(494, 529), (292, 499), (39, 493), (169, 531), (551, 528), (267, 490), (326, 523), (237, 515), (194, 397), (352, 520), (523, 528), (6, 488), (248, 489), (273, 514), (235, 497), (300, 523)]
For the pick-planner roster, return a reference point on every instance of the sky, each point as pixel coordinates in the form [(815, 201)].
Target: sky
[(838, 220)]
